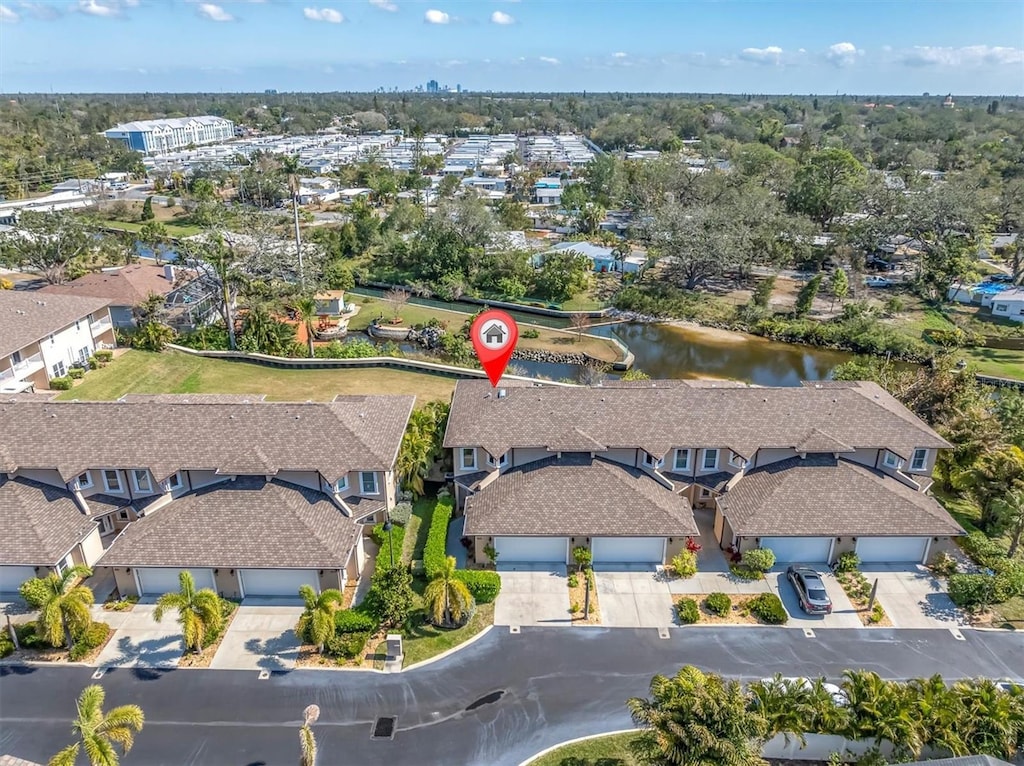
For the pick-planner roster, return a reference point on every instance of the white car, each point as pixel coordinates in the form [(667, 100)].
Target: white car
[(878, 282)]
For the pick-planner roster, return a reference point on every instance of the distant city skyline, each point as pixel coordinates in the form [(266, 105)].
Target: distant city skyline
[(728, 46)]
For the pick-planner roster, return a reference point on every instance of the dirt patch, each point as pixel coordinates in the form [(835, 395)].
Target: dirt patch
[(857, 589), (578, 595), (205, 657), (722, 336)]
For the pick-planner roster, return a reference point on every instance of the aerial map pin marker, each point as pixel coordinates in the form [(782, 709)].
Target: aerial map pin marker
[(494, 335)]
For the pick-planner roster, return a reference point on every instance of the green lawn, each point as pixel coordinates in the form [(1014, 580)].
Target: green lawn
[(417, 528), (173, 372), (425, 641), (548, 339), (1000, 363), (173, 229), (609, 750)]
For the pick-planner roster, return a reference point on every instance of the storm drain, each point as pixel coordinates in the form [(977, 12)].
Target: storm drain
[(384, 727), (487, 699)]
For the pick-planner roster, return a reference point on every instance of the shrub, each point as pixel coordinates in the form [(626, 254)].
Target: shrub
[(983, 549), (401, 513), (347, 645), (529, 332), (582, 556), (684, 564), (944, 565), (877, 613), (434, 549), (104, 355), (573, 581), (687, 610), (848, 562), (385, 540), (91, 638), (94, 363), (483, 585), (353, 621), (28, 638), (6, 645), (745, 573), (759, 559), (768, 608), (61, 384), (575, 608), (124, 604), (718, 603), (76, 373), (970, 591)]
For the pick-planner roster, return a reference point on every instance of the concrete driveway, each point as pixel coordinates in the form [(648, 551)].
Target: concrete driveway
[(636, 598), (843, 614), (532, 594), (913, 597), (139, 640), (261, 637)]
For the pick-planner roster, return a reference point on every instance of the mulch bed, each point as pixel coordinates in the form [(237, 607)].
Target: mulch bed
[(737, 616), (205, 657), (578, 595), (61, 655)]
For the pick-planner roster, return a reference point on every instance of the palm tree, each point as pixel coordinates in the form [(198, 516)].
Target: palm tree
[(307, 742), (290, 166), (785, 706), (449, 601), (1009, 510), (693, 719), (992, 719), (63, 604), (317, 622), (305, 311), (941, 714), (882, 710), (99, 731), (198, 611)]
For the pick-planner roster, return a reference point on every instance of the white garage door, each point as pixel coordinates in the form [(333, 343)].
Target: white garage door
[(892, 549), (516, 550), (11, 578), (156, 581), (278, 582), (625, 550), (802, 549)]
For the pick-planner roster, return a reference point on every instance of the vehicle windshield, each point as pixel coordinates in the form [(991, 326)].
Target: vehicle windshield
[(816, 593)]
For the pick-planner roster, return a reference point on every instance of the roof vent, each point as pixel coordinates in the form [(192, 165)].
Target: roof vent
[(766, 400)]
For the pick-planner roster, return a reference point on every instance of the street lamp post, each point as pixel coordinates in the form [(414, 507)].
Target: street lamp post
[(388, 526)]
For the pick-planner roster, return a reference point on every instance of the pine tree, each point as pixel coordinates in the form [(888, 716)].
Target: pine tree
[(147, 210)]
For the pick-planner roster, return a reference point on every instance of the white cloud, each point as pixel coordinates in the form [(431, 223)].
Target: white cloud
[(967, 56), (502, 18), (214, 12), (434, 16), (769, 55), (329, 15), (40, 10), (93, 8), (8, 15), (131, 3), (549, 60), (619, 55), (842, 54), (384, 5)]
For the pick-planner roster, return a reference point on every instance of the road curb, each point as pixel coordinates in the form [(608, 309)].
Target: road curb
[(544, 752), (454, 649)]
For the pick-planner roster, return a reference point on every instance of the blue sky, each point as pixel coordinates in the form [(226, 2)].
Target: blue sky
[(773, 46)]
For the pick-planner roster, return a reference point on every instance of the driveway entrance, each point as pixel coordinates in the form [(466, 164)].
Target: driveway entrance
[(913, 597), (139, 640), (532, 594), (261, 637)]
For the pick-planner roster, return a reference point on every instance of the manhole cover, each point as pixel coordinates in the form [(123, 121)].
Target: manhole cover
[(384, 728), (487, 699), (264, 675)]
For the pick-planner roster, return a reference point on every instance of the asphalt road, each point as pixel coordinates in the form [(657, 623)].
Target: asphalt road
[(558, 684)]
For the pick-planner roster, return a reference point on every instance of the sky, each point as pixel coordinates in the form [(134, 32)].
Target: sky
[(731, 46)]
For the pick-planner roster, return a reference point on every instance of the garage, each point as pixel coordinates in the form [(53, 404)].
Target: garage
[(278, 582), (628, 550), (11, 578), (525, 550), (801, 549), (892, 549), (156, 581)]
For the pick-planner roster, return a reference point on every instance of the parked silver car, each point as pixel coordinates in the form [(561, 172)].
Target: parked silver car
[(810, 589)]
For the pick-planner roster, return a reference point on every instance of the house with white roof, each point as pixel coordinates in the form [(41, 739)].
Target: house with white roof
[(1009, 304)]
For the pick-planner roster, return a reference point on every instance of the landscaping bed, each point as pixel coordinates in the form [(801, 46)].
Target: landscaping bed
[(87, 647), (858, 590), (212, 641), (739, 611), (577, 598)]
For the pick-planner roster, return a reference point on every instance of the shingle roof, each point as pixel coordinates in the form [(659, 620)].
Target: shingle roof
[(26, 317), (964, 760), (659, 417), (39, 524), (127, 286), (577, 495), (364, 506), (825, 496), (248, 522), (350, 433)]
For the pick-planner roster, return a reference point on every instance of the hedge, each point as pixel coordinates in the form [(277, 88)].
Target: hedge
[(347, 645), (434, 550), (482, 584), (768, 608), (353, 621), (385, 540)]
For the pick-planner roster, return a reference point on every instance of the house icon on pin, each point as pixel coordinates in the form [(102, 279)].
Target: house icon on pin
[(494, 334)]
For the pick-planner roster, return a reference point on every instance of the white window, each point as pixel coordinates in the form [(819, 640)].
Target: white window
[(891, 460), (111, 481), (682, 460), (59, 370), (1001, 308), (500, 462), (368, 482), (737, 461), (174, 481), (341, 484), (710, 459), (140, 478), (467, 458), (84, 480), (919, 460), (651, 462)]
